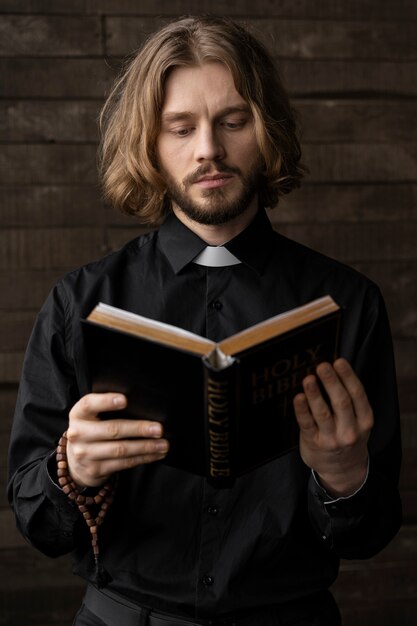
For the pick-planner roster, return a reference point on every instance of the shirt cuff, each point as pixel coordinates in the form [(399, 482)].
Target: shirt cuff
[(330, 499)]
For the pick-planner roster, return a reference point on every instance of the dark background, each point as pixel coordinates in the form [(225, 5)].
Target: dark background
[(350, 67)]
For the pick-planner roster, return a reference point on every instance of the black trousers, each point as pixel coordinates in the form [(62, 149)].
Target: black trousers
[(322, 611)]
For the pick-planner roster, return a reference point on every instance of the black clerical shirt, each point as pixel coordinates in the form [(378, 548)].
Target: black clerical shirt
[(171, 540)]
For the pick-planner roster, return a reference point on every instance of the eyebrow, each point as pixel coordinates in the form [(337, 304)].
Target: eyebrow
[(175, 116)]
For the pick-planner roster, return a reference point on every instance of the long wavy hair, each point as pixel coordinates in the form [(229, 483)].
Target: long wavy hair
[(130, 118)]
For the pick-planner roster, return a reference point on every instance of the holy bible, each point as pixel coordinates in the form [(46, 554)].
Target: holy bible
[(226, 407)]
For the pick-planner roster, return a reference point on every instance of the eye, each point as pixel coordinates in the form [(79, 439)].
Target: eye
[(181, 132), (233, 124)]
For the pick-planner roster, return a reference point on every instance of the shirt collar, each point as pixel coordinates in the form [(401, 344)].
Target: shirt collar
[(252, 246)]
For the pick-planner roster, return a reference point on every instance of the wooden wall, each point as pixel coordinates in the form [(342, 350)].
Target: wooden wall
[(350, 66)]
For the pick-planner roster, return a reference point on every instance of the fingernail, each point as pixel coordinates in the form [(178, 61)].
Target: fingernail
[(119, 401), (161, 446), (155, 429)]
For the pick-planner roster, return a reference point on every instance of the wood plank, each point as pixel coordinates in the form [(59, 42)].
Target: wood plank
[(347, 163), (57, 121), (408, 395), (348, 78), (406, 359), (10, 537), (361, 162), (325, 9), (291, 39), (55, 78), (42, 35), (65, 205), (10, 367), (331, 39), (26, 290), (346, 202), (323, 121), (50, 249), (15, 329), (28, 164), (52, 205), (357, 121), (397, 281), (41, 605), (358, 243), (91, 78), (364, 583), (401, 614), (7, 404)]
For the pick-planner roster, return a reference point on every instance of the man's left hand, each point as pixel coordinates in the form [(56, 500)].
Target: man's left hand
[(334, 434)]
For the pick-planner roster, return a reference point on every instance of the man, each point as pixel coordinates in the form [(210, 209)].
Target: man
[(199, 135)]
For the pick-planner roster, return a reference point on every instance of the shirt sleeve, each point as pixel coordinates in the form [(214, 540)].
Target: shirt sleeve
[(361, 525), (47, 391)]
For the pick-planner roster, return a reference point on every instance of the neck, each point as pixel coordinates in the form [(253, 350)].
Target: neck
[(219, 234)]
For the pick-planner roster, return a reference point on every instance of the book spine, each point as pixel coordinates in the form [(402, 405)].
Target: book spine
[(220, 424)]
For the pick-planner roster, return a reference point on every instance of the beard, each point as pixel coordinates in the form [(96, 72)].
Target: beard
[(215, 206)]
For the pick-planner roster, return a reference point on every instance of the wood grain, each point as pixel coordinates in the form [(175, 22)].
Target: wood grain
[(350, 68)]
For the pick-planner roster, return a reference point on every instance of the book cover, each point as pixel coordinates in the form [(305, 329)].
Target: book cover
[(226, 408)]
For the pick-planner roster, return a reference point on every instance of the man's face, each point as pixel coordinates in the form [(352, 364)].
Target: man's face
[(207, 149)]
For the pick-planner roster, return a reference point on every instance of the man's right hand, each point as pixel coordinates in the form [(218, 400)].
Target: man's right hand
[(98, 448)]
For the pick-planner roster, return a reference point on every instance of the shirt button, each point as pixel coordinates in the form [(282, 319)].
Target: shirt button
[(207, 580), (216, 305), (212, 510)]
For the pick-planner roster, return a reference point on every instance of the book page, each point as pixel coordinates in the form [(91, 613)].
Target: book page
[(278, 325), (141, 326)]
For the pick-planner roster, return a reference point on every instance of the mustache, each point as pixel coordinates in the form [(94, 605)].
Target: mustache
[(203, 170)]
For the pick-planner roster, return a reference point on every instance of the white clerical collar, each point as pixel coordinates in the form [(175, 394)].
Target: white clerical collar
[(216, 256)]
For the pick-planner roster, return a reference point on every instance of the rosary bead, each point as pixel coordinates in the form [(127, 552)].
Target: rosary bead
[(100, 502)]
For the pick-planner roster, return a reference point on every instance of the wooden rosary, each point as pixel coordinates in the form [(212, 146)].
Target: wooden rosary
[(93, 508)]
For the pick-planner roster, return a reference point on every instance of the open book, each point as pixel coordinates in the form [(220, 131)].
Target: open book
[(226, 407)]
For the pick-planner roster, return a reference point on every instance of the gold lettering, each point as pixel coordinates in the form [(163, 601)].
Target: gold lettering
[(258, 395), (260, 377), (219, 386), (218, 417), (313, 353), (297, 364), (217, 472), (280, 368)]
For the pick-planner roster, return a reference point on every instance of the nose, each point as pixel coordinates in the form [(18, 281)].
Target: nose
[(209, 146)]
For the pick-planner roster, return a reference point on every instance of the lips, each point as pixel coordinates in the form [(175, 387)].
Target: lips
[(214, 180)]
